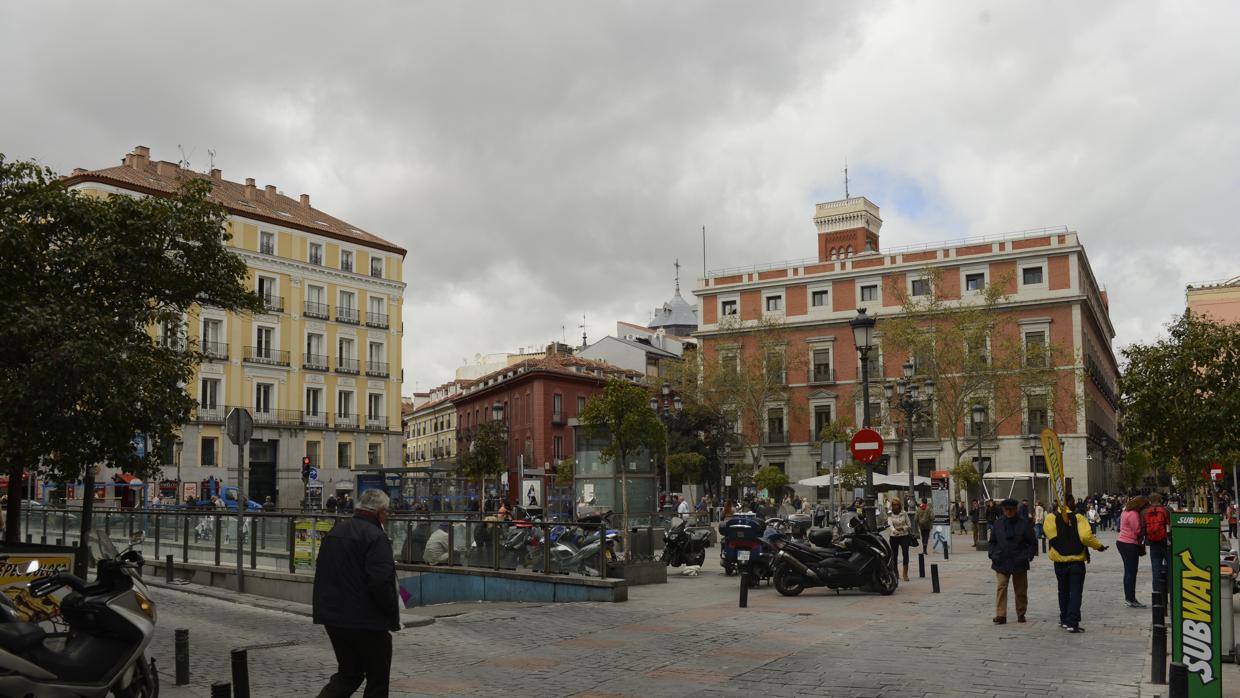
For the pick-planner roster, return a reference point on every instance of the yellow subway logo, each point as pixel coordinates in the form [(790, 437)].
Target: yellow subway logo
[(1197, 617), (1194, 520)]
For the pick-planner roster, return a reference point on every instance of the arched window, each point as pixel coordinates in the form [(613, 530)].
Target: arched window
[(848, 252)]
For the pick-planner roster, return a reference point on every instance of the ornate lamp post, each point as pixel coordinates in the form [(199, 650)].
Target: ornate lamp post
[(978, 415), (665, 405), (906, 396), (497, 416), (863, 338)]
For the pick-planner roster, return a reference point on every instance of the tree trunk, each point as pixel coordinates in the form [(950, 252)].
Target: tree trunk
[(81, 559), (13, 515)]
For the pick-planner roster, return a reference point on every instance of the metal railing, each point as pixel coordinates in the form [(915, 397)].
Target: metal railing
[(346, 315), (377, 320), (273, 303), (377, 369), (267, 247), (314, 362), (346, 420), (376, 423), (281, 417), (317, 310), (266, 355), (215, 350), (346, 365), (822, 375), (775, 438)]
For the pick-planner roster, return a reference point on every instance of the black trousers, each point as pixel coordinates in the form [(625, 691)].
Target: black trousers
[(1071, 578), (361, 655), (925, 540)]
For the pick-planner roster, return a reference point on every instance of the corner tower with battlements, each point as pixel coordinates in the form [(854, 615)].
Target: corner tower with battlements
[(846, 228)]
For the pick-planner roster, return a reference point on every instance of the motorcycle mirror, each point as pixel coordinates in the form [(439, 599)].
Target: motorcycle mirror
[(137, 537), (32, 567)]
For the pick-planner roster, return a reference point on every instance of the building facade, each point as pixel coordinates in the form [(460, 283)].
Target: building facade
[(1218, 300), (1051, 293), (432, 428), (539, 401), (320, 371)]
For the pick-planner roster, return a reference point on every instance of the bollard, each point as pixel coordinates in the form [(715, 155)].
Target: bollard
[(1043, 545), (182, 656), (744, 584), (921, 565), (240, 674), (946, 545), (934, 578), (221, 689), (168, 568), (1177, 682), (1158, 643)]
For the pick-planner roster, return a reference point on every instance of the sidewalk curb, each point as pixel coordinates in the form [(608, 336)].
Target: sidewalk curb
[(408, 620)]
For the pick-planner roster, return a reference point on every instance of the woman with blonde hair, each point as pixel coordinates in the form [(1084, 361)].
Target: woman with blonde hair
[(1131, 546)]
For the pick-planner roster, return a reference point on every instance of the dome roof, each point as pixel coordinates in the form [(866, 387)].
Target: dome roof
[(675, 313)]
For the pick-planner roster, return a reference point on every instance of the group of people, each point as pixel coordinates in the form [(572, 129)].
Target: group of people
[(1143, 524), (342, 504)]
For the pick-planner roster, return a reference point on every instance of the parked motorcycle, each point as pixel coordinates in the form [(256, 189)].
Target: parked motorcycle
[(683, 545), (577, 549), (111, 623), (749, 544), (855, 558)]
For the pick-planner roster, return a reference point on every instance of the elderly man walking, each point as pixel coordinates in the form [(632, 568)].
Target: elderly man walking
[(1012, 546), (355, 599)]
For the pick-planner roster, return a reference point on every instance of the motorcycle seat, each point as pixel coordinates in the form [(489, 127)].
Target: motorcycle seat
[(821, 537), (20, 637)]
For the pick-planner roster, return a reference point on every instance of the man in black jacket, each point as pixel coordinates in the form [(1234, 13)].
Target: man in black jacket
[(355, 598), (1012, 546)]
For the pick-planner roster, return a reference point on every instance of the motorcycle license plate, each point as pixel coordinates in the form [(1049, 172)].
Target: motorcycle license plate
[(742, 555)]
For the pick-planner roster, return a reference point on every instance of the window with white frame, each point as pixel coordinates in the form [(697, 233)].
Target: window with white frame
[(209, 395), (1036, 354), (774, 302), (920, 287), (974, 280), (376, 266), (314, 402), (1032, 276), (822, 419), (315, 253), (264, 342), (264, 398), (869, 292), (346, 260), (267, 242), (374, 406), (820, 371), (728, 307), (344, 403), (1037, 414), (819, 298)]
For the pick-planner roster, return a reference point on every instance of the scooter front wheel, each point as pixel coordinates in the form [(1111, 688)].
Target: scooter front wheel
[(698, 558), (787, 582)]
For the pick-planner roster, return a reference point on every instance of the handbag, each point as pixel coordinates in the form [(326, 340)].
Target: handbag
[(1140, 550)]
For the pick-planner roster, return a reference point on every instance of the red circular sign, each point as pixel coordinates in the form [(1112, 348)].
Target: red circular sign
[(866, 445)]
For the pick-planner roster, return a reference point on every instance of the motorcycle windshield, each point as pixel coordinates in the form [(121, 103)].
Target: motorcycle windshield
[(103, 546)]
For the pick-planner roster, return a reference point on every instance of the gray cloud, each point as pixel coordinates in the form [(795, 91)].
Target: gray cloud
[(545, 160)]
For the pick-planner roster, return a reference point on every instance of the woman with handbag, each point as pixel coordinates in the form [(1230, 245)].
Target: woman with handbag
[(1131, 546), (901, 531)]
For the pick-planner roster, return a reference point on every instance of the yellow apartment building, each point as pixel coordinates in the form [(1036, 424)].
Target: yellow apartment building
[(431, 434), (320, 371)]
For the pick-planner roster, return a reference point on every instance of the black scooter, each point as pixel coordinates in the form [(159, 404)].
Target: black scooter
[(856, 559), (683, 545)]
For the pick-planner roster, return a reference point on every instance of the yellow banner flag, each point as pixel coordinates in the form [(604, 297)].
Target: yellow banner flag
[(1054, 466)]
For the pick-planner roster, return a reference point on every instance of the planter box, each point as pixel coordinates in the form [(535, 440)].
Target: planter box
[(636, 573)]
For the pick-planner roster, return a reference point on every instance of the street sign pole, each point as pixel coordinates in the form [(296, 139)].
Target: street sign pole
[(867, 446), (239, 426)]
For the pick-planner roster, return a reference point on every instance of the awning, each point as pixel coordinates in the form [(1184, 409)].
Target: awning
[(1015, 475), (899, 480), (128, 479)]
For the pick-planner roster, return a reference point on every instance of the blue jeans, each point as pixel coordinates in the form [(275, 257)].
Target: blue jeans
[(1131, 553), (1071, 578), (1037, 529), (1158, 558)]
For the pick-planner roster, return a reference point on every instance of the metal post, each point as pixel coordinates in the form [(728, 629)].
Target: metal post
[(292, 539), (494, 546), (921, 565), (254, 546), (182, 656), (602, 551), (934, 578), (240, 674), (168, 569), (871, 515), (185, 539), (908, 412), (219, 530), (1158, 645), (745, 585), (546, 549), (242, 500), (157, 517), (1177, 681)]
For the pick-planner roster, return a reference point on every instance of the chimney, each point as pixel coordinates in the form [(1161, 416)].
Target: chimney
[(305, 200), (216, 174), (142, 151), (163, 167), (270, 191), (79, 170), (249, 188), (138, 158)]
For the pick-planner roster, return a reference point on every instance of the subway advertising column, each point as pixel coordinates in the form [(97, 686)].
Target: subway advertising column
[(1195, 601)]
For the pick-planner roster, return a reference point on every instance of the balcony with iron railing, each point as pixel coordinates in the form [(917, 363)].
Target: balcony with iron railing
[(266, 356), (821, 374), (774, 438), (170, 341), (317, 418), (345, 420), (274, 417), (557, 419), (987, 430), (346, 315), (267, 247), (213, 413), (377, 320), (376, 423), (274, 304), (317, 310), (346, 366), (215, 350), (314, 362), (316, 258), (378, 369)]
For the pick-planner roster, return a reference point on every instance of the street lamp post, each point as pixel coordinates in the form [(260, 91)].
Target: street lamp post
[(863, 338), (1033, 465), (179, 446), (906, 397), (664, 406), (979, 422), (497, 415)]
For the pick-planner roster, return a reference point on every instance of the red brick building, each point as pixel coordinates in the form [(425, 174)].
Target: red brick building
[(1051, 292), (540, 400)]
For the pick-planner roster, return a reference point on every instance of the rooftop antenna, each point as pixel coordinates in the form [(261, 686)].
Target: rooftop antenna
[(184, 158), (846, 178), (703, 251), (211, 153), (583, 330), (677, 265), (563, 334)]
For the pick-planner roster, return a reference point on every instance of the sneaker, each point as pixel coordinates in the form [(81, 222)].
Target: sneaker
[(1074, 629), (999, 620), (1134, 604), (1020, 618)]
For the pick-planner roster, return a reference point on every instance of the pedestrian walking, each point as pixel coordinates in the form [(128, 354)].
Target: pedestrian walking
[(1039, 517), (1156, 522), (355, 599), (962, 515), (901, 532), (1232, 511), (1131, 546), (1070, 539), (925, 521), (1091, 515), (1011, 546)]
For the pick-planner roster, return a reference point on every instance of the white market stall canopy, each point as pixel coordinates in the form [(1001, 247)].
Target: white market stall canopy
[(880, 480)]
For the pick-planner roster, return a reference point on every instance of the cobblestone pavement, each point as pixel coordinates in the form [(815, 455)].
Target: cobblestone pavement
[(689, 638)]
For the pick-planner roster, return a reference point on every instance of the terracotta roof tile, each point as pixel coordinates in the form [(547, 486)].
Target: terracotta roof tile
[(264, 203)]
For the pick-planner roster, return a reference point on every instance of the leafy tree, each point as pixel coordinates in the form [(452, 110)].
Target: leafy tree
[(771, 479), (973, 350), (622, 412), (1181, 394), (965, 476), (564, 473), (839, 430), (701, 426), (852, 475), (747, 375), (485, 456), (86, 280), (686, 465), (1134, 467)]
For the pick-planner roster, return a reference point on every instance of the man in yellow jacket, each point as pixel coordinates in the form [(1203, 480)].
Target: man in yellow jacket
[(1070, 535)]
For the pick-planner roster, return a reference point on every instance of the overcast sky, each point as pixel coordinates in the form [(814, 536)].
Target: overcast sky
[(541, 161)]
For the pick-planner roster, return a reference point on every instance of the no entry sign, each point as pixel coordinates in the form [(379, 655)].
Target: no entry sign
[(866, 445)]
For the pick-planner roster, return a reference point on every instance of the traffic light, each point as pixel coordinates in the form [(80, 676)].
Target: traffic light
[(305, 468)]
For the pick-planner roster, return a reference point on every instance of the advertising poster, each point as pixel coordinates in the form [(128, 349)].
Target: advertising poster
[(1195, 601), (191, 490), (306, 536), (531, 493), (14, 581), (1054, 466)]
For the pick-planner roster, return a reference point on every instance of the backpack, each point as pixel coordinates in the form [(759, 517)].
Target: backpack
[(1155, 520)]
